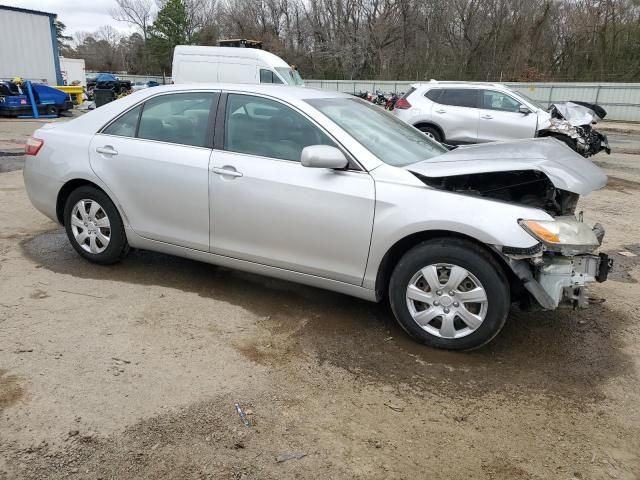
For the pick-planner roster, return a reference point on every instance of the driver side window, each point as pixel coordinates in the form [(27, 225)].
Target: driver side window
[(492, 100), (266, 128)]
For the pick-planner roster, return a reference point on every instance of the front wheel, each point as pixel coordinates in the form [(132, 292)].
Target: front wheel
[(449, 293), (94, 226)]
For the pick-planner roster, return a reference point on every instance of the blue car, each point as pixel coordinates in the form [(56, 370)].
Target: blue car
[(49, 101)]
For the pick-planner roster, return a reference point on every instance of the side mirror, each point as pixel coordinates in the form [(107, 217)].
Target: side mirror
[(524, 110), (323, 156)]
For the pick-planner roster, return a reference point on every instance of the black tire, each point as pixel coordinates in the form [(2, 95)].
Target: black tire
[(476, 261), (117, 247), (51, 110), (432, 132)]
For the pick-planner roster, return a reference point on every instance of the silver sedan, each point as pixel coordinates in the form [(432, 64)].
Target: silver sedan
[(324, 189)]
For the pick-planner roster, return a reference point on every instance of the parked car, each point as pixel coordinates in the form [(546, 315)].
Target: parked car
[(198, 64), (15, 102), (142, 85), (107, 81), (464, 112), (328, 190)]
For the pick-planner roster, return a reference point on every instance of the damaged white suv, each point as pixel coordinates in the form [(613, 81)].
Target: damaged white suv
[(327, 190), (467, 112)]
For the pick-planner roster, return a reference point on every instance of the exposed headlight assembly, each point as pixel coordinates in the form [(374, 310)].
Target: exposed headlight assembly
[(565, 234)]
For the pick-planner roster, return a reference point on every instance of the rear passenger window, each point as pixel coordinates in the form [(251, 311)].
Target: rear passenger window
[(125, 126), (263, 127), (459, 97), (178, 118), (434, 94)]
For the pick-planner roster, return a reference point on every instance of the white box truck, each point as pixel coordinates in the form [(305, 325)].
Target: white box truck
[(198, 64), (72, 71)]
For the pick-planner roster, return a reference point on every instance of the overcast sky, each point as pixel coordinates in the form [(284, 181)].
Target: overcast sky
[(77, 15)]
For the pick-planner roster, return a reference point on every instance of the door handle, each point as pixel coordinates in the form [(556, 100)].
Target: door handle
[(107, 150), (488, 117), (441, 111), (227, 171)]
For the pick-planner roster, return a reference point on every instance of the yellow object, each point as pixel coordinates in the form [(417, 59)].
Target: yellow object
[(541, 232), (76, 91)]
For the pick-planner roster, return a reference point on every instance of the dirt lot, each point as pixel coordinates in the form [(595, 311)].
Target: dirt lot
[(132, 371)]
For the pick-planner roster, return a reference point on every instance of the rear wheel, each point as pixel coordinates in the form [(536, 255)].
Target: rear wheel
[(51, 110), (431, 132), (94, 226), (449, 293)]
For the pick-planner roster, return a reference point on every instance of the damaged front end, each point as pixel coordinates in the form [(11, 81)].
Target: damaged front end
[(544, 175), (557, 272), (572, 123)]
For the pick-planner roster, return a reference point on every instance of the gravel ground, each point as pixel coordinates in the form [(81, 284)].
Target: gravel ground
[(132, 370)]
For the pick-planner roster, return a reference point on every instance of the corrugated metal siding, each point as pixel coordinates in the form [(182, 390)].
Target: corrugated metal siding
[(620, 100), (26, 48)]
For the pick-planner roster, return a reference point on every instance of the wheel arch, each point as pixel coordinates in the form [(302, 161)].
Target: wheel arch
[(402, 246), (69, 187)]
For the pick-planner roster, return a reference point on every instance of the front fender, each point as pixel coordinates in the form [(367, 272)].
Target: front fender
[(405, 206)]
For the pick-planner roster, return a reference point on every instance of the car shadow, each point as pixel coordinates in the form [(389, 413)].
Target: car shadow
[(564, 352)]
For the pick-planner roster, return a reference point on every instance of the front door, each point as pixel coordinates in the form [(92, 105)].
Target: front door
[(155, 159), (269, 209), (501, 119)]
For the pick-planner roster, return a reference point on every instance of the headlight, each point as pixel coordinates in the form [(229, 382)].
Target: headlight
[(563, 231)]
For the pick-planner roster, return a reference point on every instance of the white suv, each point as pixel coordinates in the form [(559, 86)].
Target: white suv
[(470, 112)]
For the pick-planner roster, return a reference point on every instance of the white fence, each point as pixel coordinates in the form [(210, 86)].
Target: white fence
[(620, 100)]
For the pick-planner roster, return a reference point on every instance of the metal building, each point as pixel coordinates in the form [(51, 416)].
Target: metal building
[(29, 46)]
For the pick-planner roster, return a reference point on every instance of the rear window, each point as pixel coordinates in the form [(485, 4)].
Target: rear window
[(408, 92)]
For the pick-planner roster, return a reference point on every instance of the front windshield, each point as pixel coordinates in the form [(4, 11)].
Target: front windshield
[(391, 140), (528, 99), (291, 76)]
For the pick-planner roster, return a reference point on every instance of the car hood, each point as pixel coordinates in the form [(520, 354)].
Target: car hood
[(565, 168), (576, 114)]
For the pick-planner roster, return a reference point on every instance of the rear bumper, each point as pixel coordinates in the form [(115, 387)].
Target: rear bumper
[(15, 110), (41, 189)]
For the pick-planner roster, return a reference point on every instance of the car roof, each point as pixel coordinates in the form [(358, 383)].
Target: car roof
[(458, 84), (284, 92), (251, 53)]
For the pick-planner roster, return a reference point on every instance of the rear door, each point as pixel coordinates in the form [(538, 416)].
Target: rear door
[(155, 159), (455, 110), (500, 118)]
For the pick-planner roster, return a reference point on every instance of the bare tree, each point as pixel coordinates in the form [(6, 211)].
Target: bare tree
[(412, 39), (135, 12)]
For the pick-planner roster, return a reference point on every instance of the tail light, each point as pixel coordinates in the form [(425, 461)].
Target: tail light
[(33, 146), (403, 104)]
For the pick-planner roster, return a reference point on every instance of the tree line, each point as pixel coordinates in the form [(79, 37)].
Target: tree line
[(492, 40)]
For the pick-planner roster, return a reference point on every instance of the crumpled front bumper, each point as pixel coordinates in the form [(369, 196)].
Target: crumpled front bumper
[(564, 279), (556, 279)]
